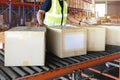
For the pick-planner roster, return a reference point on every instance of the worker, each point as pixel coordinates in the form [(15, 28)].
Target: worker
[(54, 12)]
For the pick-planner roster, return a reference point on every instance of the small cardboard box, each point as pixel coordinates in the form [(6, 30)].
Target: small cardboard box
[(112, 35), (66, 42), (96, 38), (25, 46)]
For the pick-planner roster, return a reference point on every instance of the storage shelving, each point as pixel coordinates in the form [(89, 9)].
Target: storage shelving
[(20, 9)]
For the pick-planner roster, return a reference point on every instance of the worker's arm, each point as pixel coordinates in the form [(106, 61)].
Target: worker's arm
[(40, 17)]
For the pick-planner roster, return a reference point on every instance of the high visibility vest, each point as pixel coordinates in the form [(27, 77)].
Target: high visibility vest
[(54, 15)]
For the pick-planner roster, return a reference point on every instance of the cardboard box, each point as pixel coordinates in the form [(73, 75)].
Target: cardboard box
[(25, 46), (66, 42), (96, 38), (112, 35)]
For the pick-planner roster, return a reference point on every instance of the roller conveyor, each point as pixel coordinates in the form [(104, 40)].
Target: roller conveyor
[(52, 62)]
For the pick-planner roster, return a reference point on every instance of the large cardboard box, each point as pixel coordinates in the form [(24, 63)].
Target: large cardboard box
[(112, 35), (66, 42), (96, 38), (25, 46)]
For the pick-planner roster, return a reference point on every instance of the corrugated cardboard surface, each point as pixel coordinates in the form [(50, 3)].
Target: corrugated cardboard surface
[(25, 47), (96, 38), (112, 35), (76, 42), (57, 41)]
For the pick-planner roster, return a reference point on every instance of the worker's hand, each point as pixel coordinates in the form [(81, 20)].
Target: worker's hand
[(41, 25), (40, 18)]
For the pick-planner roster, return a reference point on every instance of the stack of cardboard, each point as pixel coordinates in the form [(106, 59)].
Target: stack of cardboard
[(75, 3)]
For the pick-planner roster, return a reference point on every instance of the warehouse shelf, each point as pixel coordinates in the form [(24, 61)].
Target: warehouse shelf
[(18, 8), (22, 7), (55, 66)]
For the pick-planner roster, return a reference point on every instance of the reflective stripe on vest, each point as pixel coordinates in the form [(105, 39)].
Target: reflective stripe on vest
[(54, 15)]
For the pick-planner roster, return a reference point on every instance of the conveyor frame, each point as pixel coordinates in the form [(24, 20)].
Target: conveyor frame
[(56, 67), (66, 70)]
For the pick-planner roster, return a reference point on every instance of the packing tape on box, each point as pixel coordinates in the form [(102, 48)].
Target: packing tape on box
[(25, 63), (75, 53)]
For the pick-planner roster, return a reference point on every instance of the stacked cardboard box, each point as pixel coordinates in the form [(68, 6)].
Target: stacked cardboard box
[(75, 3)]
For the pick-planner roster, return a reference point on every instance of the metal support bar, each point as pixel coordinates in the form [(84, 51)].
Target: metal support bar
[(112, 64), (76, 75), (23, 17), (14, 12), (68, 69), (4, 10), (34, 14), (30, 11), (19, 22), (10, 15), (104, 74)]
